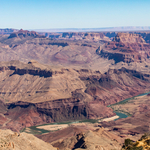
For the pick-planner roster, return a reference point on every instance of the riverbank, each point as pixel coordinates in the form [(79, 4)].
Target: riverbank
[(53, 127), (58, 126)]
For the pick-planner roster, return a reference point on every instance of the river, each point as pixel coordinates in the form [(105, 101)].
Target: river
[(35, 130)]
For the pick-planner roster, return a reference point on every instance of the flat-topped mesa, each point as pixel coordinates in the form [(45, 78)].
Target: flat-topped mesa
[(7, 31), (128, 38), (25, 33)]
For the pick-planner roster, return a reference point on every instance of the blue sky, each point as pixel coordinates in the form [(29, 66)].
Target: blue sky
[(47, 14)]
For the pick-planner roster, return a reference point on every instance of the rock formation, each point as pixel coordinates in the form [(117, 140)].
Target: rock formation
[(128, 38), (126, 47), (76, 77), (33, 94), (21, 141), (83, 138), (25, 33)]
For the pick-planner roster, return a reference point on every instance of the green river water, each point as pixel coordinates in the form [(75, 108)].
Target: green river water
[(35, 130)]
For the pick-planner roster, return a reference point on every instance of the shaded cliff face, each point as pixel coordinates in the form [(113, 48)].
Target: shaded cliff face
[(31, 97), (115, 85), (126, 47), (23, 114)]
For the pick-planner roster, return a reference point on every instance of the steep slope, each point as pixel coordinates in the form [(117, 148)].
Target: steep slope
[(83, 138), (13, 141), (99, 139), (84, 53), (145, 36), (26, 45), (33, 93), (138, 121)]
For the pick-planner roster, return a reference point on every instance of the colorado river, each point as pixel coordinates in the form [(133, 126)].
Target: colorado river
[(38, 130), (123, 115)]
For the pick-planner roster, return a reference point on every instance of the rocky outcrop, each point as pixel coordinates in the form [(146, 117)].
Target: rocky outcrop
[(145, 36), (22, 141), (24, 114), (113, 81), (25, 33), (82, 137), (127, 48)]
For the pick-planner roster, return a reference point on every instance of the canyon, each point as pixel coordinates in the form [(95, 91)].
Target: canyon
[(56, 77), (31, 95)]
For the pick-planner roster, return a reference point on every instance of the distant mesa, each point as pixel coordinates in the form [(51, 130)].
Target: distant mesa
[(88, 36), (25, 33), (128, 38), (7, 31)]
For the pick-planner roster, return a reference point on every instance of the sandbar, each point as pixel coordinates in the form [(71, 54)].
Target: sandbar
[(109, 119)]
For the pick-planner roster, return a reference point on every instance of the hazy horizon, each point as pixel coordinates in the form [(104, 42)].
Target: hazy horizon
[(107, 29)]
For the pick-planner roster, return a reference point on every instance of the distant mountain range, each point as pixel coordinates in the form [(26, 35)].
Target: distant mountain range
[(107, 29), (130, 28)]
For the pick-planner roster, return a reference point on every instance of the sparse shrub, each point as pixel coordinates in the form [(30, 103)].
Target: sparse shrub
[(128, 142), (148, 142), (143, 136)]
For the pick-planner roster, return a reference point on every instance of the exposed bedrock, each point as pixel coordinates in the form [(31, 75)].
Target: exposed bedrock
[(125, 47), (116, 85), (29, 99), (23, 114)]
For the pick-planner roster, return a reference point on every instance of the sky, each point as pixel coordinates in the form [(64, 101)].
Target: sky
[(48, 14)]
